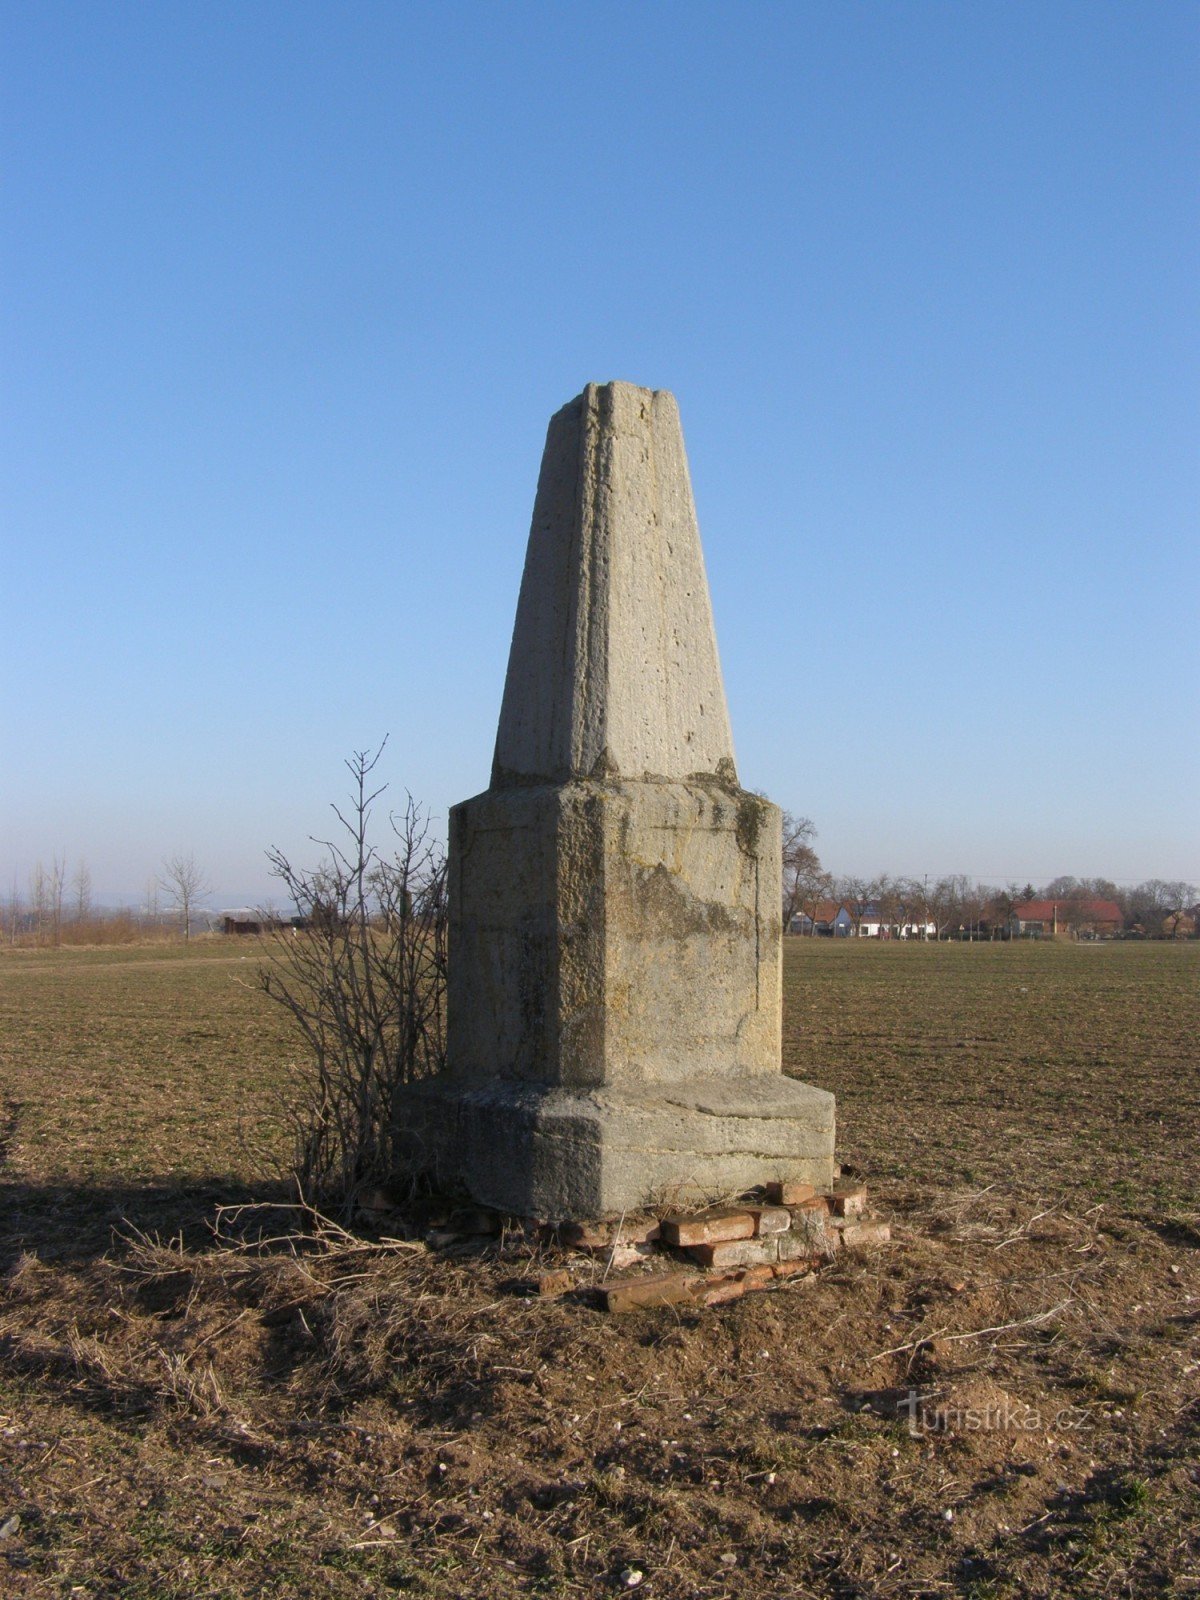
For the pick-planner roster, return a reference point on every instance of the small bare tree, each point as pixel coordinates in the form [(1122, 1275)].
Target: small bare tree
[(185, 885), (14, 913), (801, 864), (362, 973), (81, 893)]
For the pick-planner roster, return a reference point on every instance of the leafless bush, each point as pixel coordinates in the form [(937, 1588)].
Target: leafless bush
[(362, 973)]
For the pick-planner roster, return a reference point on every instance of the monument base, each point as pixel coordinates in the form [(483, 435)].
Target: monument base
[(561, 1153)]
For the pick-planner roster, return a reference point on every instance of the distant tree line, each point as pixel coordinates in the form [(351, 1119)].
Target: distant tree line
[(56, 906), (957, 906)]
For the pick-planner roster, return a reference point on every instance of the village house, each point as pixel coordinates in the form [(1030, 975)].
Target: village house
[(1055, 919), (837, 919), (821, 919)]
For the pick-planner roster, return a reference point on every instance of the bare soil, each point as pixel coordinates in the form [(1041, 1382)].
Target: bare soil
[(1004, 1402)]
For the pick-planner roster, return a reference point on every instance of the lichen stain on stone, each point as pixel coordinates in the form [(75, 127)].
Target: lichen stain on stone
[(751, 814), (664, 903)]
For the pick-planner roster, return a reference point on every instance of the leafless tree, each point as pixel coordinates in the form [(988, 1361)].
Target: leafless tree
[(81, 892), (1159, 904), (185, 885), (896, 906), (816, 887), (150, 910), (364, 979), (39, 900), (13, 912), (58, 887), (858, 894), (803, 878), (944, 905)]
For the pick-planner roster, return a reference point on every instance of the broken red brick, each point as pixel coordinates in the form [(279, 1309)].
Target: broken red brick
[(718, 1290), (815, 1205), (786, 1193), (770, 1219), (734, 1253), (665, 1289), (555, 1283), (708, 1227), (758, 1277), (849, 1201), (586, 1235), (864, 1235), (477, 1220), (621, 1256), (791, 1269), (806, 1246), (598, 1236)]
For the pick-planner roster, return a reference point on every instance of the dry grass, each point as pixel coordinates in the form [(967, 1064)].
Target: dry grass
[(178, 1419)]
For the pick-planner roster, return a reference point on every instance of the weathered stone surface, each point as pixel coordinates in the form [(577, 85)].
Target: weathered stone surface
[(614, 933), (613, 669), (525, 1149), (615, 930)]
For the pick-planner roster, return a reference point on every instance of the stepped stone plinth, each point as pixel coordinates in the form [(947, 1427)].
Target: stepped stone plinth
[(615, 906)]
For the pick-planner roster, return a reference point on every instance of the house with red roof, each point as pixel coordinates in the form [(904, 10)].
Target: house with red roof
[(1054, 919)]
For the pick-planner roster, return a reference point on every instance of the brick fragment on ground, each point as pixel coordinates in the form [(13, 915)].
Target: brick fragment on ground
[(815, 1205), (785, 1193), (621, 1256), (814, 1228), (708, 1227), (586, 1235), (735, 1253), (865, 1235), (850, 1200), (665, 1289), (559, 1282), (477, 1221), (441, 1238), (806, 1246), (719, 1290), (770, 1219), (758, 1277), (597, 1239), (600, 1235), (792, 1269)]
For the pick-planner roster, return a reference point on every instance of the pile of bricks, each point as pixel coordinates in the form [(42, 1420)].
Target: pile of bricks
[(728, 1250), (698, 1258)]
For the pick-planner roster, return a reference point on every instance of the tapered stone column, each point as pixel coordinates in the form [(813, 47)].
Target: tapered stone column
[(615, 905)]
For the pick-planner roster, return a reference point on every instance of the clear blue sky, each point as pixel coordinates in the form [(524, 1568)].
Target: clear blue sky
[(291, 290)]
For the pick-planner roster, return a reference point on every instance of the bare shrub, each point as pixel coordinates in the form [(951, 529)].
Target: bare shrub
[(362, 974)]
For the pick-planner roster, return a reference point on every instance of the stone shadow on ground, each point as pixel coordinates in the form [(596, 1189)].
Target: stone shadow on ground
[(72, 1222)]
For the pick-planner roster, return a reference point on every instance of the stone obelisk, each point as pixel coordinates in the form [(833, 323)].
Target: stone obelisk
[(615, 906)]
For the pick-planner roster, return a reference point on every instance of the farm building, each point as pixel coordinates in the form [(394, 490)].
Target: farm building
[(821, 919), (838, 919), (1052, 919), (873, 922), (248, 920)]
